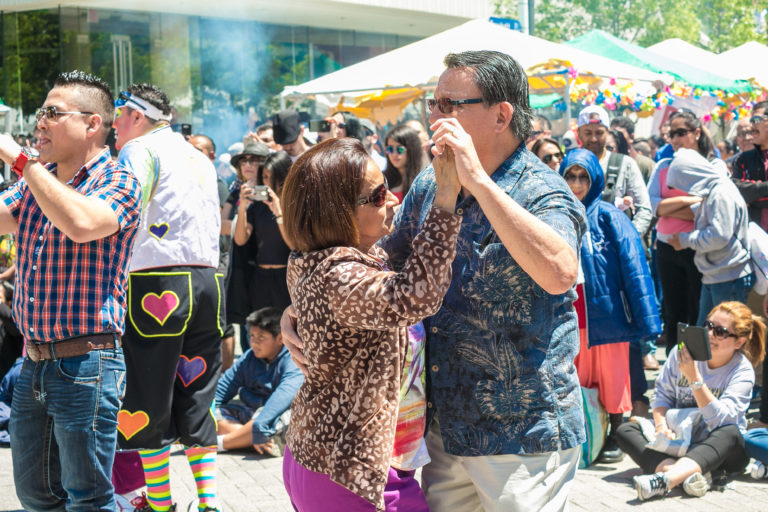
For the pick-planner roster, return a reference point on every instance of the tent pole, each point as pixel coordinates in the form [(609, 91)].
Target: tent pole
[(567, 100), (424, 116)]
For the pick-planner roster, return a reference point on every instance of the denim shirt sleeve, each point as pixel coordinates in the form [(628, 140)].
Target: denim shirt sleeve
[(279, 401), (229, 383)]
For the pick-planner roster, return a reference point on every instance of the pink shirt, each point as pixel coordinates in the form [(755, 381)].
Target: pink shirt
[(671, 225)]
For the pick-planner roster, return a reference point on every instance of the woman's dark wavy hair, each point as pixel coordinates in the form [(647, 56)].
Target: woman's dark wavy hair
[(622, 146), (415, 159), (499, 78), (278, 164), (705, 145)]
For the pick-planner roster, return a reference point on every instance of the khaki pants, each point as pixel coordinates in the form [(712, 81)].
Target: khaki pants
[(497, 483)]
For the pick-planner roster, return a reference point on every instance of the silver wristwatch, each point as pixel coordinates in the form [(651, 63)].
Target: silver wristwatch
[(695, 386)]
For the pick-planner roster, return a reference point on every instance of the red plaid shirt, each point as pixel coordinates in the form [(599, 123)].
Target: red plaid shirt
[(63, 288)]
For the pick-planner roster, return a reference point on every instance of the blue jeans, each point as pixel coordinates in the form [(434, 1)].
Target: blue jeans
[(756, 444), (64, 431), (714, 294)]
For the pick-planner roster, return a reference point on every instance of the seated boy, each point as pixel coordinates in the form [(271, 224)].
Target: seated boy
[(267, 380)]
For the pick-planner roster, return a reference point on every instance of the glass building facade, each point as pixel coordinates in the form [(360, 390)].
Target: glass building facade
[(222, 75)]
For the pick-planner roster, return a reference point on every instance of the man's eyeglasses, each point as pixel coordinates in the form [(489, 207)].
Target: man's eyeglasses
[(757, 119), (573, 178), (548, 158), (445, 105), (52, 115), (378, 196), (680, 132), (718, 330), (400, 150)]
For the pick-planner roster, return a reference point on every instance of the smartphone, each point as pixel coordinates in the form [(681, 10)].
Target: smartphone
[(696, 340), (259, 193), (319, 125)]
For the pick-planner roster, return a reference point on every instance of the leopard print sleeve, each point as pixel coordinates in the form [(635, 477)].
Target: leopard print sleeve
[(364, 297)]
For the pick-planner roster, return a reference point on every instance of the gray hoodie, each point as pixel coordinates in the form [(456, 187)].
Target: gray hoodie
[(721, 221)]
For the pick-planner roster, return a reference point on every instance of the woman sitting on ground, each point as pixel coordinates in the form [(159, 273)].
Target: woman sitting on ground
[(354, 316), (721, 389)]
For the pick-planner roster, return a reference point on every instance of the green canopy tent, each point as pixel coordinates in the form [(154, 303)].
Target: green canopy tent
[(607, 45)]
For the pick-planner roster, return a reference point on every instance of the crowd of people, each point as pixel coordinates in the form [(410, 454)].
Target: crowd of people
[(437, 298)]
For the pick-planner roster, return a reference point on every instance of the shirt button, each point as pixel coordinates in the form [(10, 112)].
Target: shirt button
[(34, 267), (31, 330), (40, 237), (429, 404), (434, 367), (460, 211), (434, 330), (31, 299)]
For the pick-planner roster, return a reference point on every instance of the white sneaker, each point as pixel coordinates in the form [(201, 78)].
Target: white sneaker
[(648, 486), (697, 484), (758, 470)]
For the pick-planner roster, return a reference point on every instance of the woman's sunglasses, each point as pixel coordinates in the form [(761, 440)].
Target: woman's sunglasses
[(392, 149), (680, 132), (378, 196), (548, 158), (573, 178), (718, 330), (52, 115)]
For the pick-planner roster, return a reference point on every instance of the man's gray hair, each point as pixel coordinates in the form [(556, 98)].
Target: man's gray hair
[(499, 78)]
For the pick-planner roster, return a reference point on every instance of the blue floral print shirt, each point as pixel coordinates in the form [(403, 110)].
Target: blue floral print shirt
[(500, 350)]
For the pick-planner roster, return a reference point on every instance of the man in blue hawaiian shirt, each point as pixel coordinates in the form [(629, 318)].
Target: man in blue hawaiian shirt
[(504, 402)]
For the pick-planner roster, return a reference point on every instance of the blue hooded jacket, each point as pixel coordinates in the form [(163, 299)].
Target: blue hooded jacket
[(621, 304)]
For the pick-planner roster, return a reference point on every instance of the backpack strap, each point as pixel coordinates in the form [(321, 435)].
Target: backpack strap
[(611, 176)]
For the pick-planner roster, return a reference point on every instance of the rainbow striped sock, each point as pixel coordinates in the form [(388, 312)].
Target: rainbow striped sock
[(202, 462), (157, 474)]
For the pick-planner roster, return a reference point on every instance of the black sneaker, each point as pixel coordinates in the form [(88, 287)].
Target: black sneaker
[(611, 452)]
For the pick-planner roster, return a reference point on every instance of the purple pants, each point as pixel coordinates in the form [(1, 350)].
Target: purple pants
[(127, 472), (316, 492)]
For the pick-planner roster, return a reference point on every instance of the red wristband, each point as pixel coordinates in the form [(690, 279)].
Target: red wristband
[(20, 163)]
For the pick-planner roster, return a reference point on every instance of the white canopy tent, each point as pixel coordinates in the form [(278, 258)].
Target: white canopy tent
[(746, 62), (410, 71), (684, 51)]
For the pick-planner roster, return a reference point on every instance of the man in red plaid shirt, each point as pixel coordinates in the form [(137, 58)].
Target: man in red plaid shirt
[(76, 220)]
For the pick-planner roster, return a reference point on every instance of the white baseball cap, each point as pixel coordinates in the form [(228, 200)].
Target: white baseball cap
[(594, 114)]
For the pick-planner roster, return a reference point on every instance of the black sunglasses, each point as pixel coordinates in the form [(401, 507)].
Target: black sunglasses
[(51, 114), (718, 330), (548, 158), (445, 105), (680, 132), (378, 196)]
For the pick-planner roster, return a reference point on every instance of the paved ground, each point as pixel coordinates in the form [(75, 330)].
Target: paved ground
[(253, 483)]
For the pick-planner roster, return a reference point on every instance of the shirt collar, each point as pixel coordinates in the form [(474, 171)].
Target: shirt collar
[(87, 169)]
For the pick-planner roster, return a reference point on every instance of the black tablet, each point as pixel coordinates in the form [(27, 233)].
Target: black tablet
[(696, 340)]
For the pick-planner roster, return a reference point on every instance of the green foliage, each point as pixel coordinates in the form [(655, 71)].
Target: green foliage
[(716, 24)]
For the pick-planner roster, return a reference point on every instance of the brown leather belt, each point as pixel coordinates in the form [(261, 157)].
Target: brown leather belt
[(71, 347)]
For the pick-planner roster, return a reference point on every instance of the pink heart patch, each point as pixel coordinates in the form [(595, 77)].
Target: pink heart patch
[(161, 306), (189, 370)]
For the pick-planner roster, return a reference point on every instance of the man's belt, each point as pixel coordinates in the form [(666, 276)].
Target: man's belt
[(71, 347)]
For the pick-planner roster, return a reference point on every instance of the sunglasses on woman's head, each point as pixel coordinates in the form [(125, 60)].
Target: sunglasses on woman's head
[(680, 132), (718, 330), (378, 196), (548, 158), (391, 149)]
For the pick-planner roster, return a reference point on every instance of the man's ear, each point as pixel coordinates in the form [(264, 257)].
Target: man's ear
[(95, 123), (279, 338), (504, 115)]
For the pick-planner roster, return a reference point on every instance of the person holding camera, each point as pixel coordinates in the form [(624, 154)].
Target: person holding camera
[(260, 226), (720, 388)]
